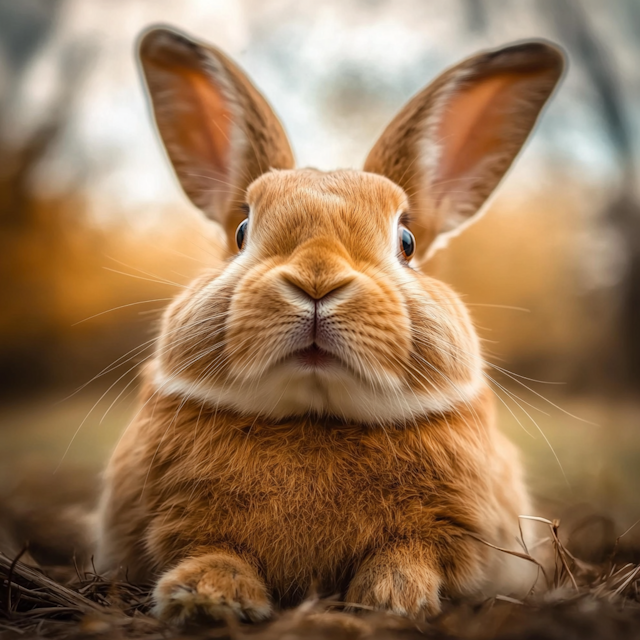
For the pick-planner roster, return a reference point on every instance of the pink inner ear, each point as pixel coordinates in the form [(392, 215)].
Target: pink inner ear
[(207, 129), (477, 123), (203, 130)]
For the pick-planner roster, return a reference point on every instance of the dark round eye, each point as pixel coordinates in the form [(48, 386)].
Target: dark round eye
[(407, 242), (241, 233)]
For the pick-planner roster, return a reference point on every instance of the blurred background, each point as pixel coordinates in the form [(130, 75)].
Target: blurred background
[(96, 236)]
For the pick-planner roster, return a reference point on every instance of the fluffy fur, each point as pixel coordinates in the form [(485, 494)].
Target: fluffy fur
[(316, 416), (382, 516), (321, 255)]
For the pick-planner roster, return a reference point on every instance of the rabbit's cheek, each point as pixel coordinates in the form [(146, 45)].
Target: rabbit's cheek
[(194, 330), (445, 348)]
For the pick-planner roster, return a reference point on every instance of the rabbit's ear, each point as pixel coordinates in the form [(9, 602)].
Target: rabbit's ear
[(218, 130), (452, 143)]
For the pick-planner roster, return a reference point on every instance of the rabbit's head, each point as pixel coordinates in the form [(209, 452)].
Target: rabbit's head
[(320, 308)]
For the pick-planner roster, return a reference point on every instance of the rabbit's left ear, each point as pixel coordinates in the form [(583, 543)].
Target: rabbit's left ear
[(450, 146)]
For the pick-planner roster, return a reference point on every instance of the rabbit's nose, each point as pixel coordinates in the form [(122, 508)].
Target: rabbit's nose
[(319, 270), (318, 290)]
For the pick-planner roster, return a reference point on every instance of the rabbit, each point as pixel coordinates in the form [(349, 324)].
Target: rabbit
[(315, 418)]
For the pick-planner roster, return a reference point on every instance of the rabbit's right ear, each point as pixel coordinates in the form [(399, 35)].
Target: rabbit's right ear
[(219, 131)]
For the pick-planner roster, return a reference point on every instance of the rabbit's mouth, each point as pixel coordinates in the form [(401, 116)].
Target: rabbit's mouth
[(314, 357)]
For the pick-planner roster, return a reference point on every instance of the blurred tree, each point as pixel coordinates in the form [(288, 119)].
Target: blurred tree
[(475, 12), (24, 26), (29, 240), (572, 23)]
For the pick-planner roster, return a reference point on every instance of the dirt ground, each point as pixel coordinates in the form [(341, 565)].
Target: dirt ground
[(586, 602)]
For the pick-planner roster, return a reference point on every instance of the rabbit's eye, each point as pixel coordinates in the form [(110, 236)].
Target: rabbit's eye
[(406, 242), (241, 233)]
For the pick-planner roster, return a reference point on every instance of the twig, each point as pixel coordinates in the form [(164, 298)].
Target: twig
[(11, 628), (63, 595), (517, 554), (10, 577), (554, 526)]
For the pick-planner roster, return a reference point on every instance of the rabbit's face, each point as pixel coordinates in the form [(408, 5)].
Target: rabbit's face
[(321, 312)]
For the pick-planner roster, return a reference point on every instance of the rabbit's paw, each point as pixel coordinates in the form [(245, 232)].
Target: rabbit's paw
[(212, 586), (404, 588)]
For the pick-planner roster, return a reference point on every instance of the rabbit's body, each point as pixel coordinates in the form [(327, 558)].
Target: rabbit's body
[(316, 416), (307, 502)]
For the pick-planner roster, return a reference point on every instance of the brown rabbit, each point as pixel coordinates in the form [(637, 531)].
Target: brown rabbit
[(316, 414)]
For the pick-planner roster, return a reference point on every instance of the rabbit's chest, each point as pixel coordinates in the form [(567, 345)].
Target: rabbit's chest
[(309, 516), (311, 501), (309, 508)]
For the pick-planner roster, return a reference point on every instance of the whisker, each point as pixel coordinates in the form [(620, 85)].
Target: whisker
[(156, 281), (122, 306)]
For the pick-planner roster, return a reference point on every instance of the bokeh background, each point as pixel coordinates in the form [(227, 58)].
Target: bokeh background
[(96, 236)]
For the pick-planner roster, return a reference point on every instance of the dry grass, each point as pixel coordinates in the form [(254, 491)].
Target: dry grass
[(584, 600)]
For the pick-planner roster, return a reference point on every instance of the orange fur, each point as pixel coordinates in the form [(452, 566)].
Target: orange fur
[(312, 503), (254, 473)]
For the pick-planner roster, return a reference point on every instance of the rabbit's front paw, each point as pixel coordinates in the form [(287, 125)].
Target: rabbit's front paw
[(213, 586), (406, 588)]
